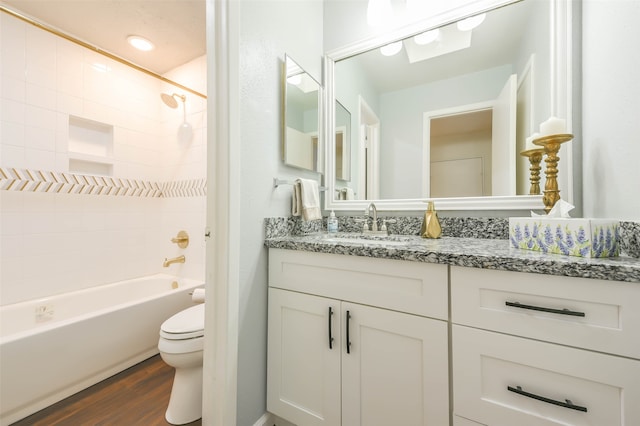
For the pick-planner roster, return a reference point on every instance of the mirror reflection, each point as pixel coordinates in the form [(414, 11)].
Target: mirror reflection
[(446, 113), (301, 104), (343, 143)]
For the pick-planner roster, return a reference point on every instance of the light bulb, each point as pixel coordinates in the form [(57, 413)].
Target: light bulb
[(391, 48), (140, 43)]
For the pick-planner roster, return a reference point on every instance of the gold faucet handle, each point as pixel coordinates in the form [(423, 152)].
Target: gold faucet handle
[(182, 240)]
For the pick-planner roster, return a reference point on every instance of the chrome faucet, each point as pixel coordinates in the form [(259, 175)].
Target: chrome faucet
[(374, 224), (167, 262)]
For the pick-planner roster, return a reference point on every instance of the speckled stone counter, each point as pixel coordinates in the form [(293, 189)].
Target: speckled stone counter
[(469, 252)]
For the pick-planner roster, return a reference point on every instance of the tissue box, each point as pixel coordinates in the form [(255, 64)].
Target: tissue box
[(567, 236)]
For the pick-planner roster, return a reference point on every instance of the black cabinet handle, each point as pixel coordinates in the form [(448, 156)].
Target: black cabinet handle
[(330, 336), (543, 309), (568, 404), (348, 339)]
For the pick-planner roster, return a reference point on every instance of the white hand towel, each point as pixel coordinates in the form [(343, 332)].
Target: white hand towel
[(306, 199), (349, 194)]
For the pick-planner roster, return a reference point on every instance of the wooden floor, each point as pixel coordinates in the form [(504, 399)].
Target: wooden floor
[(137, 396)]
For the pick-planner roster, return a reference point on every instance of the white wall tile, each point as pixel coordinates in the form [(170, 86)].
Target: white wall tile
[(75, 241), (12, 112), (12, 134), (41, 96), (40, 117), (39, 160), (13, 88), (13, 156), (40, 138), (12, 33)]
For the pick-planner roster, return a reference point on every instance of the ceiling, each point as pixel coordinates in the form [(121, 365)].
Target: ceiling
[(176, 27), (493, 43)]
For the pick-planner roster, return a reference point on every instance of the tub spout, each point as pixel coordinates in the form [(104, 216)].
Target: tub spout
[(167, 262)]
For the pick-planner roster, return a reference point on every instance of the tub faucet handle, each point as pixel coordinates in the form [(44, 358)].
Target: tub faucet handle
[(182, 239)]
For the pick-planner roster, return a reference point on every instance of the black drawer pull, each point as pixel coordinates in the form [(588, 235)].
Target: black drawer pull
[(348, 339), (567, 404), (543, 309), (330, 336)]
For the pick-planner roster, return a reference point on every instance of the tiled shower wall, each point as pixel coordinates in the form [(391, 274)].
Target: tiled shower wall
[(63, 230)]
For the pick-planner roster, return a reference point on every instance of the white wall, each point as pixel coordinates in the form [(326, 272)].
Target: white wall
[(268, 30), (611, 109), (54, 242)]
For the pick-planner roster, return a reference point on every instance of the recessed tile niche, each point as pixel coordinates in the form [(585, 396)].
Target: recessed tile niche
[(90, 147)]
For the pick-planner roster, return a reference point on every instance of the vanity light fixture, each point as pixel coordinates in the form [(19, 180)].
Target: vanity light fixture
[(391, 48), (140, 43), (471, 23), (427, 37)]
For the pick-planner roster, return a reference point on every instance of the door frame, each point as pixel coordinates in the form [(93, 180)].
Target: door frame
[(426, 136)]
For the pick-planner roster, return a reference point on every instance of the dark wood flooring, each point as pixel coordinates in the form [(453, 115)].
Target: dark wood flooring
[(136, 396)]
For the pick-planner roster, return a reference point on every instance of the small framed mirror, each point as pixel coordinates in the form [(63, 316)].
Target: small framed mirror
[(300, 138)]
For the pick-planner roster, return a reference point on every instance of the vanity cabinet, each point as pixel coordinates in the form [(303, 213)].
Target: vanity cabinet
[(532, 349), (349, 344)]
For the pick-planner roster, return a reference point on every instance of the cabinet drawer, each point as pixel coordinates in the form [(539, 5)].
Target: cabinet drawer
[(506, 380), (412, 287), (587, 313)]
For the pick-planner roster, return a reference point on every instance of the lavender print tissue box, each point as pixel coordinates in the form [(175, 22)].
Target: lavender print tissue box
[(566, 236)]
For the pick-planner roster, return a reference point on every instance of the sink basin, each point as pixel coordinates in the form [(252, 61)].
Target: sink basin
[(383, 240)]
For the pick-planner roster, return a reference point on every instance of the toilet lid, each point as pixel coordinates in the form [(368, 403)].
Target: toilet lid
[(185, 324)]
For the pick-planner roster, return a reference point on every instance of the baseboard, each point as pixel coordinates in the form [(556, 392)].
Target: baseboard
[(269, 419)]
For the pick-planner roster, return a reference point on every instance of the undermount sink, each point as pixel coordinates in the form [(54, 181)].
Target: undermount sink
[(368, 239)]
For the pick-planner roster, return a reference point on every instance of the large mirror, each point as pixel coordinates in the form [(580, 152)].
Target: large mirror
[(301, 118), (446, 118)]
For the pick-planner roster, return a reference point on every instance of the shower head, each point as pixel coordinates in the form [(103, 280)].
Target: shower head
[(185, 131), (170, 100)]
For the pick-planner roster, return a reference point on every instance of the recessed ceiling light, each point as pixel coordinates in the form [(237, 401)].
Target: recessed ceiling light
[(391, 48), (140, 43)]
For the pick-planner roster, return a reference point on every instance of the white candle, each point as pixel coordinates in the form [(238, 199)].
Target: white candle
[(553, 126), (529, 142)]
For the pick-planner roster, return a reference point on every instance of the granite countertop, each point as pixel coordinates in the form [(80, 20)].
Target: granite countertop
[(469, 252)]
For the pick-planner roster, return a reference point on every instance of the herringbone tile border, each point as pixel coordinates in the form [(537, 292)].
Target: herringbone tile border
[(26, 180)]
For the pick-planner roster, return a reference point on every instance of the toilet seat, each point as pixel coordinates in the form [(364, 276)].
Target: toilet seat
[(187, 324)]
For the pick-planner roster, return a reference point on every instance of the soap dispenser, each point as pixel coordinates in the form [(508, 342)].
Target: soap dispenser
[(332, 223), (430, 224)]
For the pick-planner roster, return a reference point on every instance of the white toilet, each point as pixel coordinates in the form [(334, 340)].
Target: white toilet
[(180, 346)]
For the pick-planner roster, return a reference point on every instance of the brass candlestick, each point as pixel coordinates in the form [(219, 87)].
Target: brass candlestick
[(534, 156), (551, 145)]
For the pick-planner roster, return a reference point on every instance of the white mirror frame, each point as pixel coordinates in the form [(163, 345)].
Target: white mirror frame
[(560, 96)]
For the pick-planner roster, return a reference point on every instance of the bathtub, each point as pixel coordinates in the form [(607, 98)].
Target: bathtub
[(54, 347)]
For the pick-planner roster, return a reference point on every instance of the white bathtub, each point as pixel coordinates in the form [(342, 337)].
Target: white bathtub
[(52, 348)]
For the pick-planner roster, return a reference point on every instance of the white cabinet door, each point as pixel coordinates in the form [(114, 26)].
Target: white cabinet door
[(395, 369), (303, 369)]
